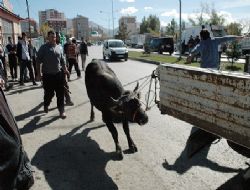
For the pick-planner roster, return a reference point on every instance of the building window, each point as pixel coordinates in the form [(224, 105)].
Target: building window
[(7, 29)]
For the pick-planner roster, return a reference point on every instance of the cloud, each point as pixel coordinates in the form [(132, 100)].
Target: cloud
[(228, 17), (175, 14), (163, 23), (148, 8), (235, 4), (128, 1), (129, 10)]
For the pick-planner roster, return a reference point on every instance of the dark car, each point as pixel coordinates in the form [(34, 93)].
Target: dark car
[(164, 44)]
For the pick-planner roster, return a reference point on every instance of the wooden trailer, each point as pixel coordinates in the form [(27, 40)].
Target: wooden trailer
[(215, 101)]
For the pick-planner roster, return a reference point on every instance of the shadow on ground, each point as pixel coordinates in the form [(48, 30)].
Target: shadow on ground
[(183, 163), (75, 162)]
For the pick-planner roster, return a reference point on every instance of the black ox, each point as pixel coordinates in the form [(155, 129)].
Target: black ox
[(107, 94)]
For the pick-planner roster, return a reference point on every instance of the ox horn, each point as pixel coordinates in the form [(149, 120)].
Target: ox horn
[(114, 101)]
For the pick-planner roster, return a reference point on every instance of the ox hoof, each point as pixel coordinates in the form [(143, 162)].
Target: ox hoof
[(119, 153), (133, 149)]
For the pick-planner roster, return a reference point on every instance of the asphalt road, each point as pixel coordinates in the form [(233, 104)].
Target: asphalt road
[(75, 154)]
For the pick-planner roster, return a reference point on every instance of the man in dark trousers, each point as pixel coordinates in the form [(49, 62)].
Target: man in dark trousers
[(50, 55), (68, 100), (11, 51), (24, 57), (15, 168), (84, 52), (72, 57)]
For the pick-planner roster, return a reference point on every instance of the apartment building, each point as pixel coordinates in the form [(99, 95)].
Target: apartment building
[(130, 23), (80, 27), (54, 18)]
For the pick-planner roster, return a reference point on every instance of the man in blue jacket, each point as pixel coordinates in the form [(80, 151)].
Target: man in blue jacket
[(208, 48)]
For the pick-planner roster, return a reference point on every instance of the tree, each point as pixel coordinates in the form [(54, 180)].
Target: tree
[(215, 18), (171, 28), (150, 25), (200, 17), (207, 15), (233, 52), (44, 29), (123, 32), (245, 24), (234, 28), (144, 25)]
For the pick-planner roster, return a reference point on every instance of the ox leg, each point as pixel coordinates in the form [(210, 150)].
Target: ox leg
[(131, 144), (92, 113), (114, 133)]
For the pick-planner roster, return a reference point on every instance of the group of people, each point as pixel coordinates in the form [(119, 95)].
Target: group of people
[(57, 62), (22, 53), (52, 68)]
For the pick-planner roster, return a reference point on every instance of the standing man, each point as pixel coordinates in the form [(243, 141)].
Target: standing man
[(50, 55), (208, 48), (25, 59), (11, 51), (84, 52)]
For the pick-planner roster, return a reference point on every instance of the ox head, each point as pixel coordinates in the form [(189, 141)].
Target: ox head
[(129, 105)]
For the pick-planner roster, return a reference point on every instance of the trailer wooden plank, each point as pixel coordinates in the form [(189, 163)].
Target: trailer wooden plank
[(215, 101)]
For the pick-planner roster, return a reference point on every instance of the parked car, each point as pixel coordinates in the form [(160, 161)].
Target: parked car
[(160, 45), (115, 49)]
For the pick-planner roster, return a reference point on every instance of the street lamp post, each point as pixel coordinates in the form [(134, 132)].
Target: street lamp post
[(109, 34), (113, 18), (180, 48), (27, 4)]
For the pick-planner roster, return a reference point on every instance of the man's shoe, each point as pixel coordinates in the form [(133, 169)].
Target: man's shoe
[(34, 83), (69, 103), (63, 115), (46, 109), (21, 83)]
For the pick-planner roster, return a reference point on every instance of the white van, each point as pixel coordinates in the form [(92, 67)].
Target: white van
[(115, 49)]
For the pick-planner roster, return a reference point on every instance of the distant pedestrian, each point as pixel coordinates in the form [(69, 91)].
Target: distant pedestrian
[(11, 51), (33, 54), (50, 55), (72, 56), (84, 52), (191, 43), (68, 100), (24, 57)]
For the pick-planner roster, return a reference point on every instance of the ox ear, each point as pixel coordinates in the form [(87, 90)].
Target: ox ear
[(136, 87)]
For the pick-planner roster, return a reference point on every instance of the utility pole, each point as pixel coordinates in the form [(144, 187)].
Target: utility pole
[(180, 48), (27, 4), (113, 19)]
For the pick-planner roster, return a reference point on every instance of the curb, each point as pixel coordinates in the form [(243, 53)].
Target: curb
[(146, 61)]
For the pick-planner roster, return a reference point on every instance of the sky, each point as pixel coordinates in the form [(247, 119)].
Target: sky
[(100, 11)]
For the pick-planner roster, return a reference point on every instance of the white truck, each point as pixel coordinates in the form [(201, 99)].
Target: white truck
[(137, 40), (215, 31)]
